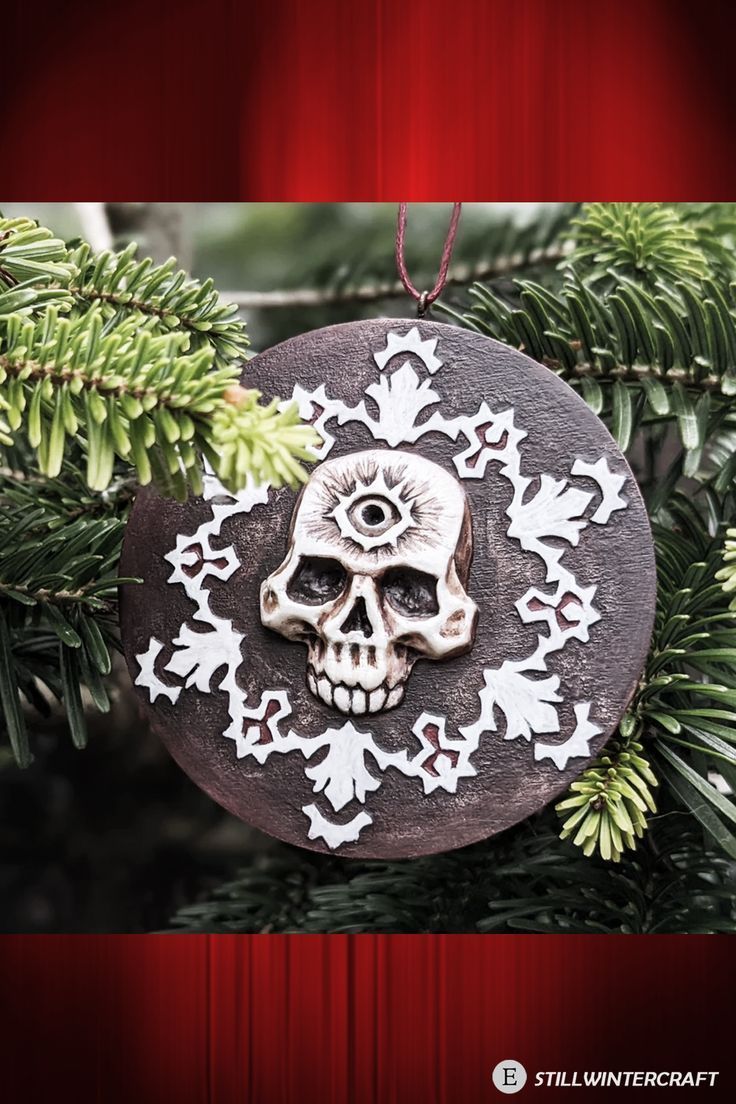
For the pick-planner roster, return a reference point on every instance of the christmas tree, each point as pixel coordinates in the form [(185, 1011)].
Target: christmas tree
[(117, 369)]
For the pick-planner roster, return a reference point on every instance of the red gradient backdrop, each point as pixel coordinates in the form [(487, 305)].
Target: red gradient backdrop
[(385, 99), (351, 1019)]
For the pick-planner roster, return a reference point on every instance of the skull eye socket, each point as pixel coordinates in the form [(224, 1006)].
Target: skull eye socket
[(373, 515), (317, 580), (411, 592)]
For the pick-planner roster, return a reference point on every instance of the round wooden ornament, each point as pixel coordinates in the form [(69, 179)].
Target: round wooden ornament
[(432, 639)]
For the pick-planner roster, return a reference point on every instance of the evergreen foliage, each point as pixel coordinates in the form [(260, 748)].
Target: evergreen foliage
[(109, 367), (641, 321), (639, 317), (131, 362), (523, 881), (115, 371), (59, 550)]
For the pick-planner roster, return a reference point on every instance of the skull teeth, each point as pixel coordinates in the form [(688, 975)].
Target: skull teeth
[(353, 699), (359, 701), (377, 700), (324, 689), (341, 699)]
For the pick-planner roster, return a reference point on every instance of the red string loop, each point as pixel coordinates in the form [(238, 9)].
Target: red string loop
[(425, 298)]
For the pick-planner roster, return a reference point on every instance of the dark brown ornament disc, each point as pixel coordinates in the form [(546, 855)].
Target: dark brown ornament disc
[(431, 641)]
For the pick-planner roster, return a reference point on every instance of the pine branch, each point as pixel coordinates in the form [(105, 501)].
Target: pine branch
[(689, 703), (524, 880), (647, 242), (140, 397), (133, 361), (647, 339), (684, 709), (353, 273), (31, 259), (608, 809), (714, 225), (59, 550), (31, 252), (377, 291), (670, 885), (633, 356), (114, 362), (158, 295)]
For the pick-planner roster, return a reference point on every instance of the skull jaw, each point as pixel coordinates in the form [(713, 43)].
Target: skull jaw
[(357, 679), (354, 700)]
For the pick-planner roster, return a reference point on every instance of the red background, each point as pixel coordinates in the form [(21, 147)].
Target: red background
[(384, 99), (333, 100), (351, 1019)]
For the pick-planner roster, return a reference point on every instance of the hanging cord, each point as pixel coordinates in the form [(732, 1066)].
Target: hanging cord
[(425, 298)]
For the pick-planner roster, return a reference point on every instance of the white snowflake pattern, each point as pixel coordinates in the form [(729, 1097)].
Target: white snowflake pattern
[(522, 690)]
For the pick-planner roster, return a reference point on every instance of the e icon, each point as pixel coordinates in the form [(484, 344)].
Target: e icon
[(509, 1076)]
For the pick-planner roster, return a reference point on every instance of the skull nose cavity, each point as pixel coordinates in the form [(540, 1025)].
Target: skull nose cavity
[(358, 621)]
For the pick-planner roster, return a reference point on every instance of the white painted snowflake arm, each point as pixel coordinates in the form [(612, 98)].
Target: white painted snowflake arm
[(526, 703), (255, 730), (576, 746), (333, 834), (556, 510), (316, 408), (342, 775), (400, 399), (409, 343), (442, 760), (148, 678), (490, 437), (200, 654), (610, 484), (567, 612)]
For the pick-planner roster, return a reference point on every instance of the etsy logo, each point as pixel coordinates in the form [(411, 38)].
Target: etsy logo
[(509, 1076)]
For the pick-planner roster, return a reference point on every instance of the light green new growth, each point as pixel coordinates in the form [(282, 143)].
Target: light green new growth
[(640, 318), (113, 372), (159, 295), (609, 805), (727, 574), (645, 241), (115, 369), (641, 322), (131, 362)]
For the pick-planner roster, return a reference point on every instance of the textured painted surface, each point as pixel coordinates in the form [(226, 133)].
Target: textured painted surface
[(562, 575)]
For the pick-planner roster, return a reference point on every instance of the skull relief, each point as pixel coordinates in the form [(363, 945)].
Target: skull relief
[(374, 577)]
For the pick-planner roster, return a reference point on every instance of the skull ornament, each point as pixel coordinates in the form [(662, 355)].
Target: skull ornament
[(374, 578)]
